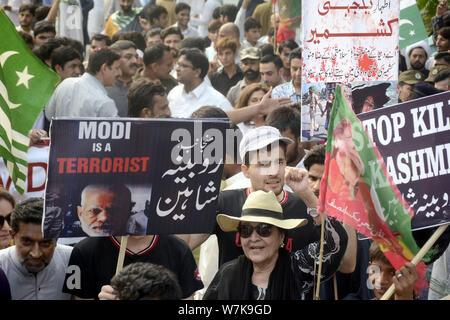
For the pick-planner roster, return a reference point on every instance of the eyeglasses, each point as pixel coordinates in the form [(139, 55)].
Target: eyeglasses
[(263, 229), (3, 219), (183, 65)]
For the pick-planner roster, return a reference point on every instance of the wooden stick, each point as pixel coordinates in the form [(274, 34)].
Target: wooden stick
[(335, 287), (422, 252), (446, 297), (275, 32), (123, 248), (322, 232)]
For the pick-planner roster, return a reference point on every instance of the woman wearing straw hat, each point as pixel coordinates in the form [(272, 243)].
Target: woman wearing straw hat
[(265, 272)]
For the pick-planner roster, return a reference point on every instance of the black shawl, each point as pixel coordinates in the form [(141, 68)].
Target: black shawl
[(233, 280)]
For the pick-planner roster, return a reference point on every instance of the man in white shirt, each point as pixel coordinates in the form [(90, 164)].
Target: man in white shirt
[(182, 14), (193, 91), (86, 96), (35, 267)]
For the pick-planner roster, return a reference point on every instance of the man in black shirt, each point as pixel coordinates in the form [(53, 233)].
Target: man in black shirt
[(263, 151), (230, 73), (94, 260)]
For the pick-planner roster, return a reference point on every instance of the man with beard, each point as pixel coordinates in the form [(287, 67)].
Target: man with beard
[(121, 18), (250, 58), (128, 65), (417, 58), (172, 38), (35, 267)]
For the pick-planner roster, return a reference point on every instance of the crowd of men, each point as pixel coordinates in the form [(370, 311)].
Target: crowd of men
[(189, 59)]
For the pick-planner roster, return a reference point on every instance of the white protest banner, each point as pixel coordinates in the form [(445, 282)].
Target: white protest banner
[(347, 41)]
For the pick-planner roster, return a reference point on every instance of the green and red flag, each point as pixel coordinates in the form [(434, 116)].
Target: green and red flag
[(26, 84), (357, 189), (290, 12)]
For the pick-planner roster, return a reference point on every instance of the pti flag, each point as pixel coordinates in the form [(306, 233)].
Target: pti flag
[(290, 12), (412, 28), (357, 189), (26, 84)]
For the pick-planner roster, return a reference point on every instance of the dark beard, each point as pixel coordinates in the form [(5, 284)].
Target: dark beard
[(417, 66), (251, 75)]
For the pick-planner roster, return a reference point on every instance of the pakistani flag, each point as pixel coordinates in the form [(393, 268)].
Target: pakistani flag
[(356, 189), (412, 29), (26, 84)]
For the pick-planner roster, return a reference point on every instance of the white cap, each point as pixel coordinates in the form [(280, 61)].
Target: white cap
[(260, 137)]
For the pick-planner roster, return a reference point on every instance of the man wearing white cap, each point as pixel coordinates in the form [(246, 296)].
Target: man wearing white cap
[(263, 151)]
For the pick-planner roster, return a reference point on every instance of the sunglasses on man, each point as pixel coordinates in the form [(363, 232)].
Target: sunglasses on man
[(3, 219), (263, 229)]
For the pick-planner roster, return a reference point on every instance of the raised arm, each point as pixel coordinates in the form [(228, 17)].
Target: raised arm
[(335, 244)]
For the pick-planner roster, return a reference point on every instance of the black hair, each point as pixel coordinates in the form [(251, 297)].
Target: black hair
[(28, 7), (152, 32), (194, 42), (285, 118), (121, 45), (41, 13), (60, 56), (99, 58), (230, 11), (266, 49), (296, 54), (155, 53), (136, 37), (182, 6), (169, 31), (146, 281), (216, 13), (102, 37), (140, 95), (251, 23), (28, 211), (443, 55), (42, 27), (197, 58), (44, 52), (276, 60), (315, 156), (153, 12), (289, 43)]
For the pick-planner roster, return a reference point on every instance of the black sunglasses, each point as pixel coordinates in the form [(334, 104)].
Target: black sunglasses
[(263, 229), (3, 219)]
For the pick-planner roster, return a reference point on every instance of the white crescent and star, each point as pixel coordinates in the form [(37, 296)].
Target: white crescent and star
[(402, 22), (24, 77)]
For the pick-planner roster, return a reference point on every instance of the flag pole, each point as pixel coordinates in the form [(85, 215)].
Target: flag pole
[(120, 259), (322, 232), (422, 252), (275, 32)]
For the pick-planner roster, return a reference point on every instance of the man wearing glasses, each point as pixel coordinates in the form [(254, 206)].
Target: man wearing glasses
[(193, 91)]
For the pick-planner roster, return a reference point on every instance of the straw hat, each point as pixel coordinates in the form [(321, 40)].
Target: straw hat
[(260, 207)]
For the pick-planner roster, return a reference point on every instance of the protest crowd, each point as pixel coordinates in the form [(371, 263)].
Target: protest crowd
[(209, 59)]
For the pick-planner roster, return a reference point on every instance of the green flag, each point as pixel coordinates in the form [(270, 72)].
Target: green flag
[(26, 84), (412, 29)]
